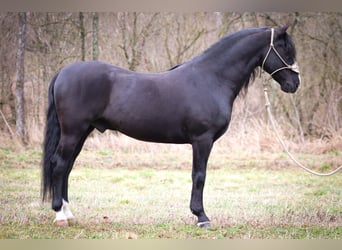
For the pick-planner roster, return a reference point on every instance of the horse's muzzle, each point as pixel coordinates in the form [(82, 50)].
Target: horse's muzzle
[(290, 87)]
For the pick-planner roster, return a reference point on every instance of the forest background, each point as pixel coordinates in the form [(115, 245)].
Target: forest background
[(34, 46)]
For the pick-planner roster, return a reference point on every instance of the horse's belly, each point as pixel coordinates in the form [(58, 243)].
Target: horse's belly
[(155, 132)]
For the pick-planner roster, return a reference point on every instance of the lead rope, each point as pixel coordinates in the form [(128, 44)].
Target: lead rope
[(270, 116)]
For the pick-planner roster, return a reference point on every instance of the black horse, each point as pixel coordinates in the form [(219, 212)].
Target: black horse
[(191, 103)]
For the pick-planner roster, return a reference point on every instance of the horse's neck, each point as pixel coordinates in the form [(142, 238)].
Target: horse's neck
[(235, 63)]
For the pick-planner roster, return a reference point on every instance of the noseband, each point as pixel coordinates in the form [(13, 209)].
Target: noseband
[(294, 67)]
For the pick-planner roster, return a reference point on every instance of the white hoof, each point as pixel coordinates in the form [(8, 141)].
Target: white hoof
[(64, 216), (61, 223), (204, 224), (66, 210), (61, 219)]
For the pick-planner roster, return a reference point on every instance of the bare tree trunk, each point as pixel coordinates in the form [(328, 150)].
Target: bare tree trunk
[(184, 37), (95, 36), (20, 74), (134, 33), (82, 35)]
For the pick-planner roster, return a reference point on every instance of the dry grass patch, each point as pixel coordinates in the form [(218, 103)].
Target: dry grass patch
[(244, 198)]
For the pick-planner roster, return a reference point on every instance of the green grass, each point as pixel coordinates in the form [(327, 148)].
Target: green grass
[(147, 196)]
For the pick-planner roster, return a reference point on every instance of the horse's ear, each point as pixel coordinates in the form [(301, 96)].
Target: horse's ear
[(284, 29), (281, 32)]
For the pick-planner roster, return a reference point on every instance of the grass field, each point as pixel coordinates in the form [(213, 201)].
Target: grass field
[(145, 194)]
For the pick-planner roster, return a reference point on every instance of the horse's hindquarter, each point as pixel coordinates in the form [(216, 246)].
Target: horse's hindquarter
[(82, 91)]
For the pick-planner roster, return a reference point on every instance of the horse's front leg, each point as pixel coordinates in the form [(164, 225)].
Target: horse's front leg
[(201, 150)]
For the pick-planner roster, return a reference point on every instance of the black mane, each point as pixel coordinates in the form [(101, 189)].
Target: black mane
[(229, 41), (225, 42)]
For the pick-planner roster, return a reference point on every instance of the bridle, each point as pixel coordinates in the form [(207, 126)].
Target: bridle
[(294, 67)]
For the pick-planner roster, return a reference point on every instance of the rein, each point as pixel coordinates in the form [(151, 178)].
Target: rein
[(268, 108)]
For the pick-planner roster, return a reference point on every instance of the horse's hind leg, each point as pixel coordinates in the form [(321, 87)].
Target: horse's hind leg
[(66, 207), (66, 153), (62, 158)]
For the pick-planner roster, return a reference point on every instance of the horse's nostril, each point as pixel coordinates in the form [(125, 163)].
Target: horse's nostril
[(290, 87)]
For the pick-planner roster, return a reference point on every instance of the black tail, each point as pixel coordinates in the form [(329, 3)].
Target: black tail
[(52, 137)]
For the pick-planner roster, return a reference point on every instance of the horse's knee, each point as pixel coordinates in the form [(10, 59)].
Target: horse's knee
[(200, 179)]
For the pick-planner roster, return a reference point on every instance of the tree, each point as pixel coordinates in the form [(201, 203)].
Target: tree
[(182, 37), (20, 77), (8, 40), (95, 36), (82, 36), (134, 32)]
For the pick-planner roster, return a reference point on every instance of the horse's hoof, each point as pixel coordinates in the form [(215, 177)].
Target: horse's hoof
[(204, 224), (61, 223)]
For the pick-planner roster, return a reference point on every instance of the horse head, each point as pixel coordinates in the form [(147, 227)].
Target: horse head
[(280, 60)]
